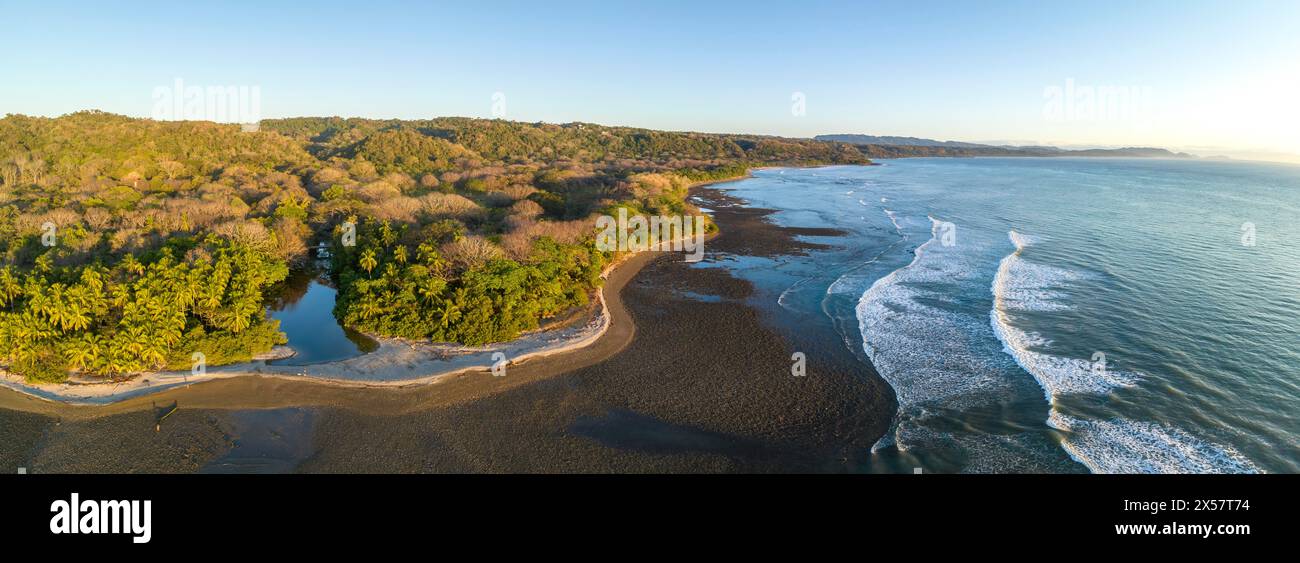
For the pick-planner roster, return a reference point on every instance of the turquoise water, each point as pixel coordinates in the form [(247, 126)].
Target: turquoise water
[(1112, 315)]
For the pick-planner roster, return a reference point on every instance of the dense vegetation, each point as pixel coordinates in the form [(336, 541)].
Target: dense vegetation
[(168, 236)]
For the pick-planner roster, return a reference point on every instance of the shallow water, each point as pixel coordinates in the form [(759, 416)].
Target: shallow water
[(1057, 314), (267, 441)]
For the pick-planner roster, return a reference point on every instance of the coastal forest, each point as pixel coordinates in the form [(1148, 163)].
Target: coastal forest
[(128, 245)]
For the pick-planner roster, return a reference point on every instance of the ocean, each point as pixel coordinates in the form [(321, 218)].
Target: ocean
[(1055, 314)]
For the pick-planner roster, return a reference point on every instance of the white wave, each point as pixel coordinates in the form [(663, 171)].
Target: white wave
[(1027, 286), (781, 299), (893, 218), (1057, 375), (1128, 446), (1104, 446), (928, 349), (1020, 240), (920, 349), (851, 281)]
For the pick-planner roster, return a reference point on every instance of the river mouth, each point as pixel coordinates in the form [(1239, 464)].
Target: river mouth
[(305, 309)]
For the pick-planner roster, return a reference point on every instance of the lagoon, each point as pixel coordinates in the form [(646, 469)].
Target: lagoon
[(305, 310)]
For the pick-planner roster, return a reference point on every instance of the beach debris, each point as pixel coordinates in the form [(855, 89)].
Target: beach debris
[(163, 413)]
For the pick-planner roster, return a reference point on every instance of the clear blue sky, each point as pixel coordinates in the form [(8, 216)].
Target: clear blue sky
[(1221, 74)]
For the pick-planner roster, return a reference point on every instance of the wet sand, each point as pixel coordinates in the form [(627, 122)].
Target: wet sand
[(698, 381)]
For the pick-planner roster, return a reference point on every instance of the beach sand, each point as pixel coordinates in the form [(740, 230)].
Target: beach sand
[(691, 383)]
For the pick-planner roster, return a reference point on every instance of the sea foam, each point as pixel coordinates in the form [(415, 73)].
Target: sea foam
[(1021, 285), (1115, 445), (1128, 446), (917, 343)]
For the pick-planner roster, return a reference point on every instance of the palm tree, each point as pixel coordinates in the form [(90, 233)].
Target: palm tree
[(10, 289), (153, 356), (367, 308), (75, 318), (171, 329), (83, 354), (132, 265), (386, 234), (431, 289), (92, 279), (450, 312), (119, 295), (368, 261), (135, 339), (432, 258)]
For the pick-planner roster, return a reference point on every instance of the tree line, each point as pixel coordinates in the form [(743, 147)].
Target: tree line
[(169, 237)]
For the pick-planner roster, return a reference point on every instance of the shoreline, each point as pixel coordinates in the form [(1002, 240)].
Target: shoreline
[(390, 354), (697, 380)]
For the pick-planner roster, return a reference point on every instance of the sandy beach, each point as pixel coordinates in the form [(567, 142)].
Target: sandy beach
[(688, 377), (394, 363)]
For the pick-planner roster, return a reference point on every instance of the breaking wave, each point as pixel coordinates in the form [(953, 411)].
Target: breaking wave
[(1021, 285), (1116, 445)]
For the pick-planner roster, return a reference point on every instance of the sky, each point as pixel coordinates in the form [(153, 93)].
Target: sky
[(1208, 77)]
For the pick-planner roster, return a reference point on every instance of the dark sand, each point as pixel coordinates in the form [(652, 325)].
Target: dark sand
[(705, 386)]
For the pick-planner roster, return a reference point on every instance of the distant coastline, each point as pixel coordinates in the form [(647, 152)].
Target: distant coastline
[(873, 146)]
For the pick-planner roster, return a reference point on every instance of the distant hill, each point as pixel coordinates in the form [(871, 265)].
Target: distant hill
[(1145, 152), (855, 139), (874, 146)]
